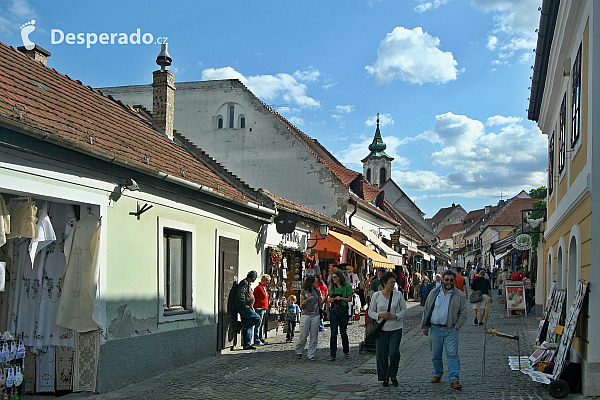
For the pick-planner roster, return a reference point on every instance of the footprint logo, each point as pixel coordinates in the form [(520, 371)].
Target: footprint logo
[(26, 29)]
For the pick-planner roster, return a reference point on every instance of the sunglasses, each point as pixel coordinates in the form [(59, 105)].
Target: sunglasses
[(448, 280)]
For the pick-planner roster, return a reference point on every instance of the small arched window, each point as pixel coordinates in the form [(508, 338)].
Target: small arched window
[(231, 113), (220, 123), (243, 122), (382, 176), (369, 175)]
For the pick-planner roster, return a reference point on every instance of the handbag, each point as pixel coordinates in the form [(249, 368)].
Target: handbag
[(374, 328), (475, 296)]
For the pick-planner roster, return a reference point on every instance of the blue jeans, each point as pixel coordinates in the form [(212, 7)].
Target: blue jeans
[(440, 339), (388, 354), (249, 320), (259, 328), (291, 327), (342, 323)]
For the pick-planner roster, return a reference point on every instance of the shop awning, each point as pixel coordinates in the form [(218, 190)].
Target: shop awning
[(501, 256), (390, 253), (379, 261)]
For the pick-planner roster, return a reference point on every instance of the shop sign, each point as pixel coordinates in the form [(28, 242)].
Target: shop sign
[(395, 237), (522, 242), (294, 239)]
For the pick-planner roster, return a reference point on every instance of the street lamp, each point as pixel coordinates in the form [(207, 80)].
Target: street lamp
[(323, 231)]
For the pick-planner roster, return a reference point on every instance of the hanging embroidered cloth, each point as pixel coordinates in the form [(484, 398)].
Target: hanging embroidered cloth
[(4, 222), (79, 297), (51, 271), (45, 234), (22, 219)]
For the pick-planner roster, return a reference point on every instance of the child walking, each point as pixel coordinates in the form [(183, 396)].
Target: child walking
[(292, 317)]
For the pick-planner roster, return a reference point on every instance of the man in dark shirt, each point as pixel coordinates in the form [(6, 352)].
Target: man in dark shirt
[(482, 284), (243, 305)]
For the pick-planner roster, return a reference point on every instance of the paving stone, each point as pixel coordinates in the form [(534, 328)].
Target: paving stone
[(273, 371)]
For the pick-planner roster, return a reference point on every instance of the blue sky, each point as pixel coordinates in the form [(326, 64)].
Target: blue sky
[(449, 77)]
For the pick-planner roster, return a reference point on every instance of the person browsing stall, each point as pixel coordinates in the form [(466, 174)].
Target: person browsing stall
[(388, 342)]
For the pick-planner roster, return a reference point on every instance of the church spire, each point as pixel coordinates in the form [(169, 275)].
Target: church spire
[(377, 147)]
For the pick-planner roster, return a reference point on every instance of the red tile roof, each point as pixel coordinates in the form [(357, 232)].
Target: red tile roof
[(448, 230), (299, 209), (79, 117), (511, 214)]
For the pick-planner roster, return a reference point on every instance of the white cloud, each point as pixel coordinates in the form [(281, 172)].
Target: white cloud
[(297, 121), (426, 5), (516, 21), (384, 119), (15, 14), (513, 156), (337, 117), (357, 151), (500, 120), (421, 180), (329, 85), (492, 42), (414, 57), (267, 87), (309, 75), (344, 109)]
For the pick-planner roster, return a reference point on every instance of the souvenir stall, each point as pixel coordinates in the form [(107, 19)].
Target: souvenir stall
[(288, 267), (46, 249)]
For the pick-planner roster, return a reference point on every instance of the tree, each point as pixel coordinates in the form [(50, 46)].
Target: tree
[(539, 193)]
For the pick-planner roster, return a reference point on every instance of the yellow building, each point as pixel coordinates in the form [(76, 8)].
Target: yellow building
[(562, 103)]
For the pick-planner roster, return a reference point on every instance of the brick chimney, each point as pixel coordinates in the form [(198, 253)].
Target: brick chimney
[(37, 53), (163, 93)]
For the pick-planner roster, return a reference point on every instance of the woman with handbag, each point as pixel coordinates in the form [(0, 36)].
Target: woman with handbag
[(310, 304), (340, 294), (387, 310)]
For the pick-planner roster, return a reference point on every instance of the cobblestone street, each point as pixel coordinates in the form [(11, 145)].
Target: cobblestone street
[(273, 371)]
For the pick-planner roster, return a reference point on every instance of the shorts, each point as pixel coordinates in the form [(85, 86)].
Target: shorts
[(482, 303)]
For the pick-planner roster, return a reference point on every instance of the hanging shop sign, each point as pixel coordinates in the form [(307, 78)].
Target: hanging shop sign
[(294, 239), (522, 242)]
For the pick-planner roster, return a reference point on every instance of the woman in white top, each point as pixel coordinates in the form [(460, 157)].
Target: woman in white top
[(388, 342)]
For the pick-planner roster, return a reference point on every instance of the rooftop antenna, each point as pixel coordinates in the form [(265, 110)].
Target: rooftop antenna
[(163, 59)]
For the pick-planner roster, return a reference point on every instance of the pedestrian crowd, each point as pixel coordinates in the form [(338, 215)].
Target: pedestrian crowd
[(445, 310)]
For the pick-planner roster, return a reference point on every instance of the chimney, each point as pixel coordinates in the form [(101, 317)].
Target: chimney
[(487, 209), (37, 53), (163, 93)]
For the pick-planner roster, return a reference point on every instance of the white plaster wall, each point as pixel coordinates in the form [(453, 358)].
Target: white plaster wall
[(266, 154)]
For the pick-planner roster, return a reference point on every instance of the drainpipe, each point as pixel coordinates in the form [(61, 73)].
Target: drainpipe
[(355, 204)]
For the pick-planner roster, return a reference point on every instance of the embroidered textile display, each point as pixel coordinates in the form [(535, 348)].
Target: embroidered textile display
[(85, 364), (22, 219), (64, 368), (50, 273), (79, 299), (45, 372), (4, 222), (29, 372)]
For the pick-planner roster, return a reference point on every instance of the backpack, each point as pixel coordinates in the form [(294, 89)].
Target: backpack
[(233, 294)]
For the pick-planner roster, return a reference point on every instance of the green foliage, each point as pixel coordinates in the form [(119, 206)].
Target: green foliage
[(535, 232), (539, 193)]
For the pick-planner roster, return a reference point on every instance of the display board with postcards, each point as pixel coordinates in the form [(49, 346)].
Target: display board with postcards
[(569, 329), (515, 296), (555, 315), (543, 326)]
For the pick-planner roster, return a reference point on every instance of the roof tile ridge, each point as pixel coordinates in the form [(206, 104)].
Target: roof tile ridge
[(283, 199)]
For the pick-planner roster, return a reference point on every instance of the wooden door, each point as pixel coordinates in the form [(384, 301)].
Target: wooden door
[(228, 274)]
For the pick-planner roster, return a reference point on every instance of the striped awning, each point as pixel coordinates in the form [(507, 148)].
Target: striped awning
[(379, 261)]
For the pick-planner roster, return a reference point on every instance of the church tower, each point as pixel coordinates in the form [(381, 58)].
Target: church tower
[(377, 166)]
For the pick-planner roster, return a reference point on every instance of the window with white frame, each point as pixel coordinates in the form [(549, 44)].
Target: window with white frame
[(562, 150), (176, 270), (576, 100)]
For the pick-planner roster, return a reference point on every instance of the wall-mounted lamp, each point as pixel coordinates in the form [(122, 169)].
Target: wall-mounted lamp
[(323, 231), (128, 184)]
